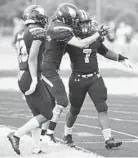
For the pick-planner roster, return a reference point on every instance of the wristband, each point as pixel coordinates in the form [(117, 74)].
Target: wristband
[(121, 57)]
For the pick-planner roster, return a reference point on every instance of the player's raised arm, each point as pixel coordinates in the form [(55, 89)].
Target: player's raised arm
[(109, 54), (83, 42), (66, 35), (70, 18), (118, 57), (84, 26), (89, 32)]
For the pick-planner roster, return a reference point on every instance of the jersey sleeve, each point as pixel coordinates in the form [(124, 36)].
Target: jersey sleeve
[(102, 49), (61, 34), (38, 34)]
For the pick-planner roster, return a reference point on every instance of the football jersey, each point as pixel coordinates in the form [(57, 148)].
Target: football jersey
[(85, 60), (24, 41), (58, 35)]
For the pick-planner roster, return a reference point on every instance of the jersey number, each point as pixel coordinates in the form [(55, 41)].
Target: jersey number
[(22, 51), (87, 54)]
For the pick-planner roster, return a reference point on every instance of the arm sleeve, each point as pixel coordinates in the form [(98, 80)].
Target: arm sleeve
[(111, 55), (102, 49)]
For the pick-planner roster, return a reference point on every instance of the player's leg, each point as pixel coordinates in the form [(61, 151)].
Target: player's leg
[(77, 93), (57, 89), (44, 127), (46, 124), (36, 133), (98, 94), (14, 137), (35, 102), (44, 109), (33, 123), (24, 81)]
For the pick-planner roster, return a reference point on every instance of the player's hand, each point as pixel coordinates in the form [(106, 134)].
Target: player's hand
[(32, 86), (124, 60), (127, 63), (104, 31)]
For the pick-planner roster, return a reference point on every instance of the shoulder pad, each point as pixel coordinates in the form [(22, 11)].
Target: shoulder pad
[(62, 28), (61, 33), (38, 33)]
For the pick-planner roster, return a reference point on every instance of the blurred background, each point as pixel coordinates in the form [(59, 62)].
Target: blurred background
[(121, 15)]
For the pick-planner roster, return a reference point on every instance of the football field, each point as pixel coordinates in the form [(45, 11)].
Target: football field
[(123, 113), (122, 102)]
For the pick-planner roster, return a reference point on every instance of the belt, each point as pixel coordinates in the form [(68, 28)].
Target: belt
[(89, 75)]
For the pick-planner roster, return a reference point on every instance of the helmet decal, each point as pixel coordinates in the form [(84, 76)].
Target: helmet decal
[(72, 12), (41, 11), (60, 13), (67, 13), (84, 15)]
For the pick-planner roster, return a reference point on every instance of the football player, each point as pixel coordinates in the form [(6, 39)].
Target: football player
[(60, 33), (85, 78), (30, 45)]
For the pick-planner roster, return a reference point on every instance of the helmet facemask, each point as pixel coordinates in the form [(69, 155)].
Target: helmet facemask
[(84, 23), (85, 27)]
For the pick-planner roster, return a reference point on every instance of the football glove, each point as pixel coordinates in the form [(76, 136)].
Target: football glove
[(32, 86), (104, 31), (124, 60), (121, 58)]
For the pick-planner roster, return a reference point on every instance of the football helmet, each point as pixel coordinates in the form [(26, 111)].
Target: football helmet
[(35, 14), (84, 23), (67, 13), (84, 16)]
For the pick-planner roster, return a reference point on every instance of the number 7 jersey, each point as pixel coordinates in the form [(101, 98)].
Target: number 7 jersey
[(24, 41), (85, 60)]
